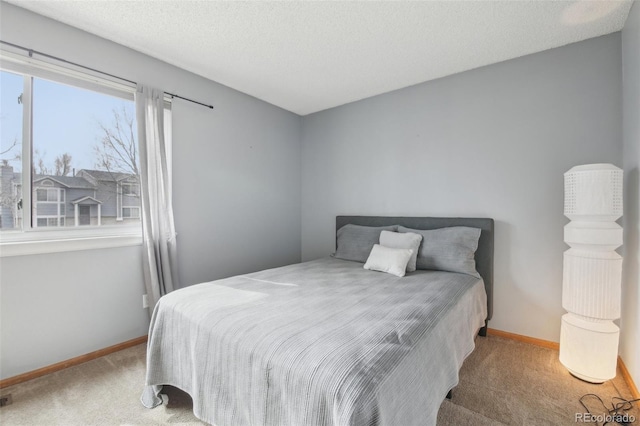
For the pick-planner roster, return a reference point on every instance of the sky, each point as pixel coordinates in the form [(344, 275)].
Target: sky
[(65, 120)]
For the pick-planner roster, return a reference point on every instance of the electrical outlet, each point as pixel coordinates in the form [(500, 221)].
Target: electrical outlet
[(5, 400), (145, 301)]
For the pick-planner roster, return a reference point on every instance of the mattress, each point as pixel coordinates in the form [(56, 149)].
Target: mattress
[(324, 342)]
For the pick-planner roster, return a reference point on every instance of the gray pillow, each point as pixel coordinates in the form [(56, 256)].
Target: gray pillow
[(403, 240), (355, 241), (448, 249)]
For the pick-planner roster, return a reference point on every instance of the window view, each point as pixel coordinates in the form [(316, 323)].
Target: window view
[(84, 157), (11, 88)]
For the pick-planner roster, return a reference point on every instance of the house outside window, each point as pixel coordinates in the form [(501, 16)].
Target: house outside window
[(77, 143), (68, 158)]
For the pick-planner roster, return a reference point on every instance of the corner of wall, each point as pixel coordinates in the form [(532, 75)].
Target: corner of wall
[(630, 322)]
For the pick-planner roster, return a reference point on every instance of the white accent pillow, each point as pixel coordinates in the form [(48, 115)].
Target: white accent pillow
[(407, 240), (391, 260)]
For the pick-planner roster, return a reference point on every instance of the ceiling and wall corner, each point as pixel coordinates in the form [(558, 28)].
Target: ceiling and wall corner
[(310, 56)]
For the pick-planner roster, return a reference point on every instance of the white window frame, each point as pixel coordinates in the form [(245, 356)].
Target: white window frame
[(133, 185), (60, 202), (137, 208), (122, 197), (50, 189), (37, 240), (58, 219)]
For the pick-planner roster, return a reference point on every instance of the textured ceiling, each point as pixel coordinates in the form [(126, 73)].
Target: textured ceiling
[(308, 56)]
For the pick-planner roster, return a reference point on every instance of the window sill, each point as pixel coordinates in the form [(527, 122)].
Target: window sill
[(25, 247)]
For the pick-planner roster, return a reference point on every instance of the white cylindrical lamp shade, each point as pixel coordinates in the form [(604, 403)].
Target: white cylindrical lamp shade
[(592, 283), (600, 236), (589, 350), (593, 192)]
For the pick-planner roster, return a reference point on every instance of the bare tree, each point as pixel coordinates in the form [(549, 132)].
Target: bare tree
[(39, 165), (116, 150), (13, 156), (63, 164), (7, 196), (10, 196), (117, 153), (8, 199), (13, 145)]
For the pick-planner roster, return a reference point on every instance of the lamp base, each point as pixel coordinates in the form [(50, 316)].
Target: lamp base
[(589, 349), (585, 378)]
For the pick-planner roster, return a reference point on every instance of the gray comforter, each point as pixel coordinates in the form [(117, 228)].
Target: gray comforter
[(318, 343)]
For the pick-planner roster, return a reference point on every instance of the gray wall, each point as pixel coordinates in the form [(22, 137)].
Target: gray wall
[(630, 323), (58, 306), (236, 187), (237, 207), (491, 142)]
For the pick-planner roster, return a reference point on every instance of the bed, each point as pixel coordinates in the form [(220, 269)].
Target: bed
[(324, 342)]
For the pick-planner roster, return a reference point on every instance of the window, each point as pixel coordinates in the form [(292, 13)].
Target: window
[(50, 206), (131, 189), (68, 162), (74, 141), (131, 212), (50, 221), (53, 195)]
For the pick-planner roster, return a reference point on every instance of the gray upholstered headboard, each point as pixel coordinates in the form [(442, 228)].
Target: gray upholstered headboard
[(484, 254)]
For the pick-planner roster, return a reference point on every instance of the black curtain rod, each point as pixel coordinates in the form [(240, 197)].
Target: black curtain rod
[(31, 52)]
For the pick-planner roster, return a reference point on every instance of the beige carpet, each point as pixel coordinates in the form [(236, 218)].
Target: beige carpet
[(502, 382)]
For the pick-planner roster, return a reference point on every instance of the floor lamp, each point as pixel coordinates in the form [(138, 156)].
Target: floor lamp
[(592, 273)]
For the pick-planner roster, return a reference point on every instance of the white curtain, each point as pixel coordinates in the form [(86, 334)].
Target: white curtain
[(159, 235)]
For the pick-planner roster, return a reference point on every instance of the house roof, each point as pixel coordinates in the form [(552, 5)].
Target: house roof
[(68, 181), (86, 200), (79, 181), (107, 176)]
